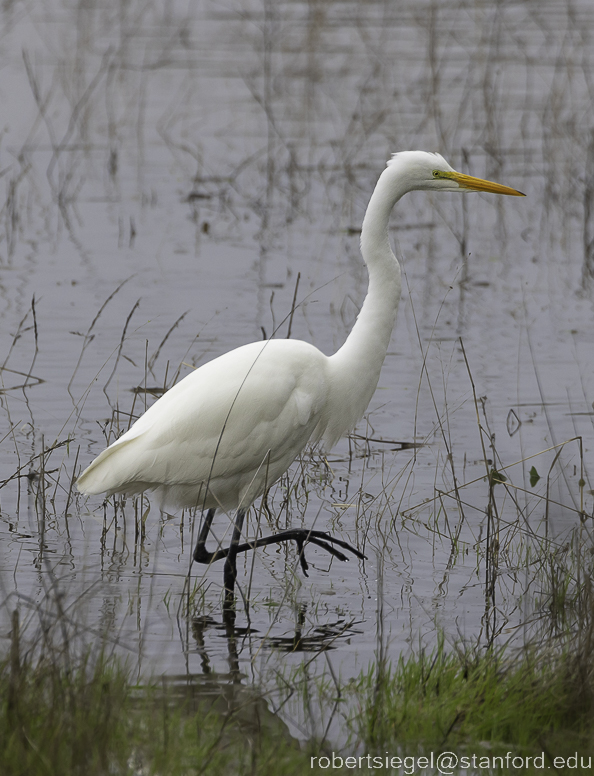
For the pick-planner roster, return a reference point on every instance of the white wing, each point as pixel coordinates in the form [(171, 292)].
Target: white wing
[(225, 433)]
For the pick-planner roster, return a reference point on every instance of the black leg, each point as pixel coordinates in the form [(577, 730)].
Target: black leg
[(201, 554), (299, 535), (230, 570)]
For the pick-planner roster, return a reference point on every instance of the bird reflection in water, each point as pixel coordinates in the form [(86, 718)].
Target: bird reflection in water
[(304, 637)]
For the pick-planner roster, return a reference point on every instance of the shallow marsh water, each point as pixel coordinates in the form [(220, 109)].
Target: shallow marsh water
[(173, 175)]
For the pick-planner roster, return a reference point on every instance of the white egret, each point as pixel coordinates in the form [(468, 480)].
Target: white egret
[(225, 433)]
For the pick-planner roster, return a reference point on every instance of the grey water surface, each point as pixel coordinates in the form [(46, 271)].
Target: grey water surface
[(173, 175)]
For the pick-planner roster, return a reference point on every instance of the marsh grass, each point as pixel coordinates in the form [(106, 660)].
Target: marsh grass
[(95, 721), (469, 700), (63, 713)]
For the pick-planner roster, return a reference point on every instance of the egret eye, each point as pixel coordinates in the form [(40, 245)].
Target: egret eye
[(436, 174)]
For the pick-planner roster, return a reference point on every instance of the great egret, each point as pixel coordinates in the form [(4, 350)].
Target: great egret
[(224, 434)]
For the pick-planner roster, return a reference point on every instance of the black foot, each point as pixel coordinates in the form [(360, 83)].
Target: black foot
[(301, 536)]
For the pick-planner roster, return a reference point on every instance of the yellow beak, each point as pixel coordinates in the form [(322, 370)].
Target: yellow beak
[(478, 184)]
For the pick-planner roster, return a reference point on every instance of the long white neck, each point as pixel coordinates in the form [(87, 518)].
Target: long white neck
[(355, 368)]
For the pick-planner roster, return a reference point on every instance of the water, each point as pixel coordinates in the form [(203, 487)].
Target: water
[(195, 163)]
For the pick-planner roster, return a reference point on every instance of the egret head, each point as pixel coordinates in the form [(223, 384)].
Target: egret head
[(430, 172)]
